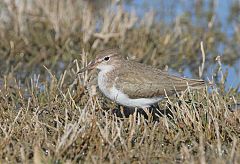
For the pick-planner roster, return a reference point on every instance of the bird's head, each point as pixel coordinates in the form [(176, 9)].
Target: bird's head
[(105, 60)]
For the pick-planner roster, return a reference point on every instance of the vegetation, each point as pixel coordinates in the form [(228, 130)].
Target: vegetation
[(48, 114)]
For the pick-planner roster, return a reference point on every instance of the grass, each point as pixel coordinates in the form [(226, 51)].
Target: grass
[(50, 126), (50, 115)]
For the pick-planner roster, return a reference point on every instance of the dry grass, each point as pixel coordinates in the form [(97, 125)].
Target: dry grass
[(50, 126), (50, 115)]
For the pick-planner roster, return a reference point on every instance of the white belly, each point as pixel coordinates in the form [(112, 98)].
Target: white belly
[(121, 98)]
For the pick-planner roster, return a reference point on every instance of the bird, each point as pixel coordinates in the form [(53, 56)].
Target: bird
[(133, 84)]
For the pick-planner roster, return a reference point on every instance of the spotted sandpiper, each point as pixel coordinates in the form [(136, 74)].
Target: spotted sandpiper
[(134, 84)]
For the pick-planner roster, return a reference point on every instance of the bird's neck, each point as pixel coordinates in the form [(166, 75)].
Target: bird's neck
[(105, 68)]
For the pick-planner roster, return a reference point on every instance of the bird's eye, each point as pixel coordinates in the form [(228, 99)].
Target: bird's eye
[(106, 58)]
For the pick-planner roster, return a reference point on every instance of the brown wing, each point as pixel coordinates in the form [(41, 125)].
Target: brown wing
[(152, 83)]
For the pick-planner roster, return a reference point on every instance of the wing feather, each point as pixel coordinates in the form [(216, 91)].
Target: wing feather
[(152, 82)]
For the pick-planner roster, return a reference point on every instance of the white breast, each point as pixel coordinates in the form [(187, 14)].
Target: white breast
[(123, 99), (102, 81), (118, 96)]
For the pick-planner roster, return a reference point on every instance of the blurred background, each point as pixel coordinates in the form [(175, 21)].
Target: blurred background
[(163, 33)]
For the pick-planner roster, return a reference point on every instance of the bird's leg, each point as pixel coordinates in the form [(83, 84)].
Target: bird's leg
[(148, 113), (157, 112), (123, 112)]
